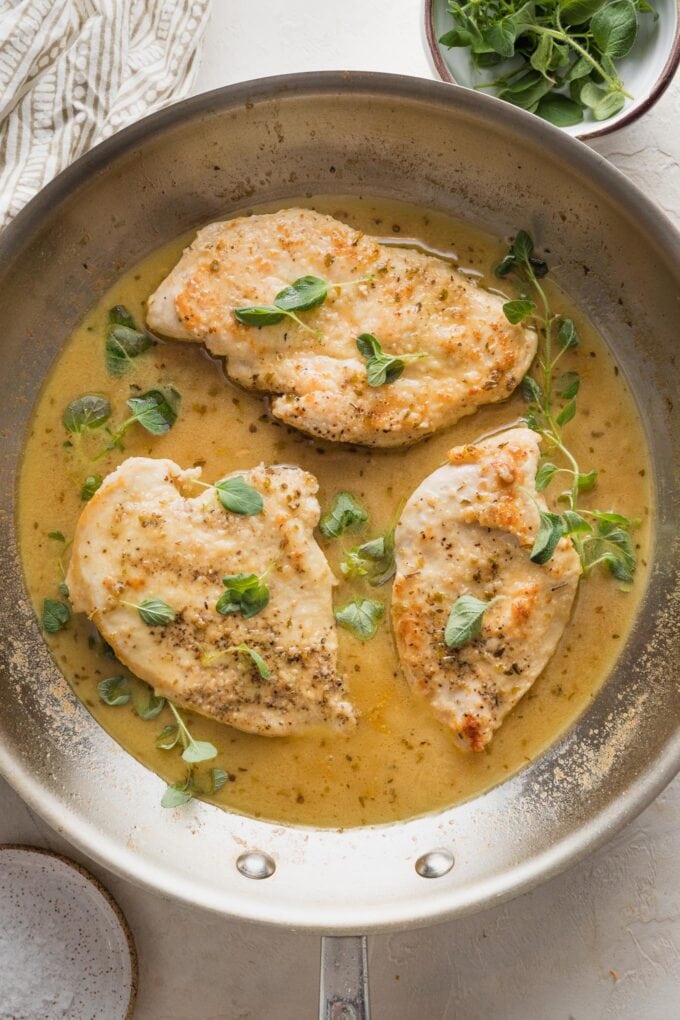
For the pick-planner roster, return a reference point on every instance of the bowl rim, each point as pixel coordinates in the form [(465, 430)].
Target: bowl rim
[(664, 79), (108, 897)]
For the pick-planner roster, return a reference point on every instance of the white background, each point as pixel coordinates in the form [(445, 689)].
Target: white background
[(602, 940)]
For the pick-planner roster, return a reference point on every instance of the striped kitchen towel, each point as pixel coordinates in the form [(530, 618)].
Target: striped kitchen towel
[(73, 72)]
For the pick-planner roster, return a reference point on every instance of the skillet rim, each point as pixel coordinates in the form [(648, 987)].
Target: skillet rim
[(634, 205)]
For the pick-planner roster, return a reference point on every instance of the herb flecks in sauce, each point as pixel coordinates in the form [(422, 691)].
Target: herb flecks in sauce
[(58, 536), (371, 776), (90, 486)]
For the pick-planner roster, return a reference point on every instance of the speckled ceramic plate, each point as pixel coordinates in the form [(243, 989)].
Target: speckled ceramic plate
[(65, 948), (647, 70)]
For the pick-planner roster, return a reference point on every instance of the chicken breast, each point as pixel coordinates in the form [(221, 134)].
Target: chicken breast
[(413, 303), (468, 529), (140, 537)]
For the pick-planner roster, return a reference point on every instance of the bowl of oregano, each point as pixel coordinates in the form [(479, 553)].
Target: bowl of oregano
[(587, 66)]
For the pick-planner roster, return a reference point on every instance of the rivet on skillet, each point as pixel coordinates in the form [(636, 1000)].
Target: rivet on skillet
[(434, 864), (256, 865)]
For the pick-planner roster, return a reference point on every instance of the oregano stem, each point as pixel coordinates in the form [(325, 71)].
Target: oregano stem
[(564, 37)]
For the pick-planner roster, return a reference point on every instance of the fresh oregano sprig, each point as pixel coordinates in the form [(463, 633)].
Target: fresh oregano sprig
[(236, 495), (559, 58), (186, 789), (246, 594), (85, 413), (114, 691), (373, 560), (153, 612), (156, 411), (181, 792), (145, 702), (255, 657), (599, 537), (464, 621), (346, 512), (55, 615), (193, 751), (382, 369), (361, 617), (124, 341), (300, 296), (210, 657)]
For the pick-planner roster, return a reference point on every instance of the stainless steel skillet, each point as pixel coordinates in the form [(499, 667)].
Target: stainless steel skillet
[(475, 158)]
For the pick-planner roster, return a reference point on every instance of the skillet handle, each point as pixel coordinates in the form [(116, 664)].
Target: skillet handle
[(344, 978)]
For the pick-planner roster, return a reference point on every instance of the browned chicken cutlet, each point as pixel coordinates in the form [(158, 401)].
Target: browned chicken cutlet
[(413, 303), (468, 529)]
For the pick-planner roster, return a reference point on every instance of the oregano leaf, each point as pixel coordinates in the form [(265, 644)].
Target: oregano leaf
[(464, 621)]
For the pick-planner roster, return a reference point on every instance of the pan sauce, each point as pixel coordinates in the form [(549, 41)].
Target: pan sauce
[(400, 761)]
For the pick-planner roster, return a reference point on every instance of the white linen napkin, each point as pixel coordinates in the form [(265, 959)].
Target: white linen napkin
[(73, 72)]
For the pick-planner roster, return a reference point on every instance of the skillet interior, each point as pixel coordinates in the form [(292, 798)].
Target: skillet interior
[(473, 158)]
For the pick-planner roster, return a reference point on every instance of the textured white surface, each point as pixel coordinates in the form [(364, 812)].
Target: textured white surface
[(255, 38), (549, 954)]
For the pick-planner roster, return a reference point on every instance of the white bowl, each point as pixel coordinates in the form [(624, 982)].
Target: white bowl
[(646, 71)]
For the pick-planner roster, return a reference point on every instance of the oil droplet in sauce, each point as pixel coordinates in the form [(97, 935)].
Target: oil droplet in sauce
[(400, 761)]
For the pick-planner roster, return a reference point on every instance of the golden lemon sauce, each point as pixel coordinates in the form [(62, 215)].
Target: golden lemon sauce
[(400, 761)]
